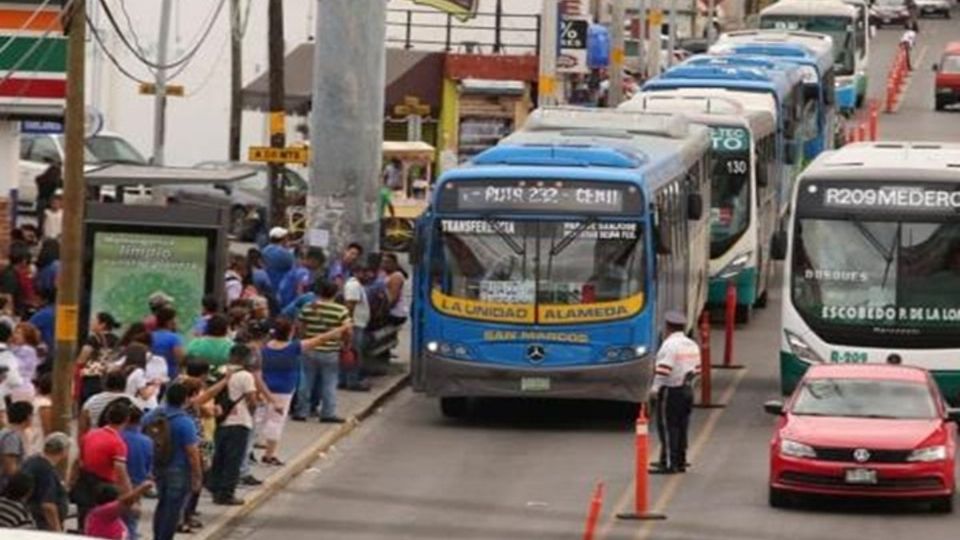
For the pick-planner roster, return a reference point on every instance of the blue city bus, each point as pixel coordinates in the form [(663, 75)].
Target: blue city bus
[(809, 129), (781, 94), (743, 200), (814, 54), (544, 267)]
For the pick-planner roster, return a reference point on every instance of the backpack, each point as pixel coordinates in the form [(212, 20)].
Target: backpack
[(158, 430), (379, 302), (225, 405)]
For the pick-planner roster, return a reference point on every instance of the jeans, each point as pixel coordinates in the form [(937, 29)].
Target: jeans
[(230, 443), (173, 489), (245, 465), (325, 367), (132, 520)]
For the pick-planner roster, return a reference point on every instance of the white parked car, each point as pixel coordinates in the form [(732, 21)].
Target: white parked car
[(37, 151)]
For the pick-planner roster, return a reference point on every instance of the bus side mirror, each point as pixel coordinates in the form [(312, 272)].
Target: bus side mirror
[(790, 152), (873, 31), (694, 206), (416, 256), (778, 245), (763, 176)]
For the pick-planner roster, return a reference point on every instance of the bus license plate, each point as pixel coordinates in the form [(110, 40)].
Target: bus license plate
[(861, 476), (534, 384)]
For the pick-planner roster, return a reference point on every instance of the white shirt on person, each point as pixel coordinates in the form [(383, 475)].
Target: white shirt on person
[(909, 37), (353, 291), (52, 223), (241, 384), (677, 358)]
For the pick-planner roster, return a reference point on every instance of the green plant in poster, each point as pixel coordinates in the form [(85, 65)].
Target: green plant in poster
[(129, 267)]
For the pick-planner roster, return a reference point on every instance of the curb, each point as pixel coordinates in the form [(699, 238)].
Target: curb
[(272, 485)]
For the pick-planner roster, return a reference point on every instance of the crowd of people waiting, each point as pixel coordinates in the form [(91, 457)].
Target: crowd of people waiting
[(166, 410)]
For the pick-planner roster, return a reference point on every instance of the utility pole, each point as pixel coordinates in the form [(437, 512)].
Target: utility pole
[(549, 22), (656, 31), (672, 36), (346, 126), (615, 94), (236, 76), (160, 100), (278, 124), (71, 247), (642, 42), (711, 17)]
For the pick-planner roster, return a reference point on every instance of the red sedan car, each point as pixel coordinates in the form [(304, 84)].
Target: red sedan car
[(864, 430)]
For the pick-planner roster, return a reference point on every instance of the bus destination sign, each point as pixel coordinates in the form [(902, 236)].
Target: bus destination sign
[(857, 197), (540, 196)]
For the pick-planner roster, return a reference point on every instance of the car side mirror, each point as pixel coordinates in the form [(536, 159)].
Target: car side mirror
[(694, 206), (778, 245), (936, 67), (774, 407), (953, 415)]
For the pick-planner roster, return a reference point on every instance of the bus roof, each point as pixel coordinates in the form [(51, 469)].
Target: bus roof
[(730, 76), (749, 99), (792, 45), (571, 139), (791, 70), (828, 8), (706, 110), (903, 161)]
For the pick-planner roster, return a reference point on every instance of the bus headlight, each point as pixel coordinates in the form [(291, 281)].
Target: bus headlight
[(640, 351), (800, 348), (735, 266), (433, 346)]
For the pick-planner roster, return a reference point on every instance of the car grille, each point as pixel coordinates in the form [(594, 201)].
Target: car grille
[(876, 456), (819, 480)]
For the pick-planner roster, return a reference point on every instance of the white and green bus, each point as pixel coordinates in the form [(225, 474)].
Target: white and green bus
[(843, 21), (743, 205), (872, 254)]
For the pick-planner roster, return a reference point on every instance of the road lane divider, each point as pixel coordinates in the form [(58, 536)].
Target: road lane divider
[(706, 369), (593, 514), (641, 481), (730, 320)]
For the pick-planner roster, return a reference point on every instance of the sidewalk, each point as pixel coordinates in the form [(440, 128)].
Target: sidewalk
[(301, 445)]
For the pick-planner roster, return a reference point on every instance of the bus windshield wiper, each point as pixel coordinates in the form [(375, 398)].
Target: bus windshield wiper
[(877, 245), (571, 236), (506, 237)]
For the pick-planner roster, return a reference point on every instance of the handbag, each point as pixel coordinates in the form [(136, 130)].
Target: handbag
[(348, 358)]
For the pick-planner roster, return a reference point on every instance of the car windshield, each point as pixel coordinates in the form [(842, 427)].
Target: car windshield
[(534, 263), (730, 188), (864, 398), (950, 64), (109, 149)]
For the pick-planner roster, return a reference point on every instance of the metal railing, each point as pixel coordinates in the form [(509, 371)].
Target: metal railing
[(497, 33)]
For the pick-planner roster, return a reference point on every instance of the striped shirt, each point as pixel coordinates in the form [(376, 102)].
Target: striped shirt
[(320, 317), (14, 515)]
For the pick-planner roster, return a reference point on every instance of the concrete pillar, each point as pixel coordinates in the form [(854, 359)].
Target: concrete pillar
[(346, 134)]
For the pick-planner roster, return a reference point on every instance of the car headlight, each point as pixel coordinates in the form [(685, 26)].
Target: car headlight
[(930, 453), (735, 266), (796, 449), (800, 348)]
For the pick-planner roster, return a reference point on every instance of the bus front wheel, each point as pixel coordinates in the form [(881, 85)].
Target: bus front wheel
[(454, 407)]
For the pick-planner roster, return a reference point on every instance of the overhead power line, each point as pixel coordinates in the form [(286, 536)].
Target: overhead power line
[(150, 63), (110, 56)]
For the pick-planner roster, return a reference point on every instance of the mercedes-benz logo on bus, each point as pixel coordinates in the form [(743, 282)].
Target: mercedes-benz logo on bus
[(861, 455), (536, 353)]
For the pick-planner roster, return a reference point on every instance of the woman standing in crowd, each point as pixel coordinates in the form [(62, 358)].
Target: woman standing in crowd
[(23, 344), (141, 389), (281, 373), (92, 361)]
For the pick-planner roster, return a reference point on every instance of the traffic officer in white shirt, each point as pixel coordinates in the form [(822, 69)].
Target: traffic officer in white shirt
[(678, 364)]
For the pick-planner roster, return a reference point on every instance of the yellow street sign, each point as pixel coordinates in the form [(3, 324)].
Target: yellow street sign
[(279, 155), (150, 89), (411, 107), (656, 17)]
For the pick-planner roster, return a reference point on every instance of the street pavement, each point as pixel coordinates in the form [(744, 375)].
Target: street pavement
[(526, 469)]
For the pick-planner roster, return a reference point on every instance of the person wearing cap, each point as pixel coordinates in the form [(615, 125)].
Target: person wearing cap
[(277, 257), (92, 360), (677, 365), (156, 302)]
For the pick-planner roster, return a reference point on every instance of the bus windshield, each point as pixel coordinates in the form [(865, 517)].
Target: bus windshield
[(540, 262), (838, 28), (887, 278), (730, 188)]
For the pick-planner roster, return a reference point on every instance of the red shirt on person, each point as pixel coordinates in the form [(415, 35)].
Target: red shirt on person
[(100, 449)]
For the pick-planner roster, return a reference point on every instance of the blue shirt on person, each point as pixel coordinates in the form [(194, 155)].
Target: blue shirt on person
[(45, 321), (46, 279), (292, 310), (290, 284), (277, 261), (281, 367), (183, 433), (164, 342), (139, 454)]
